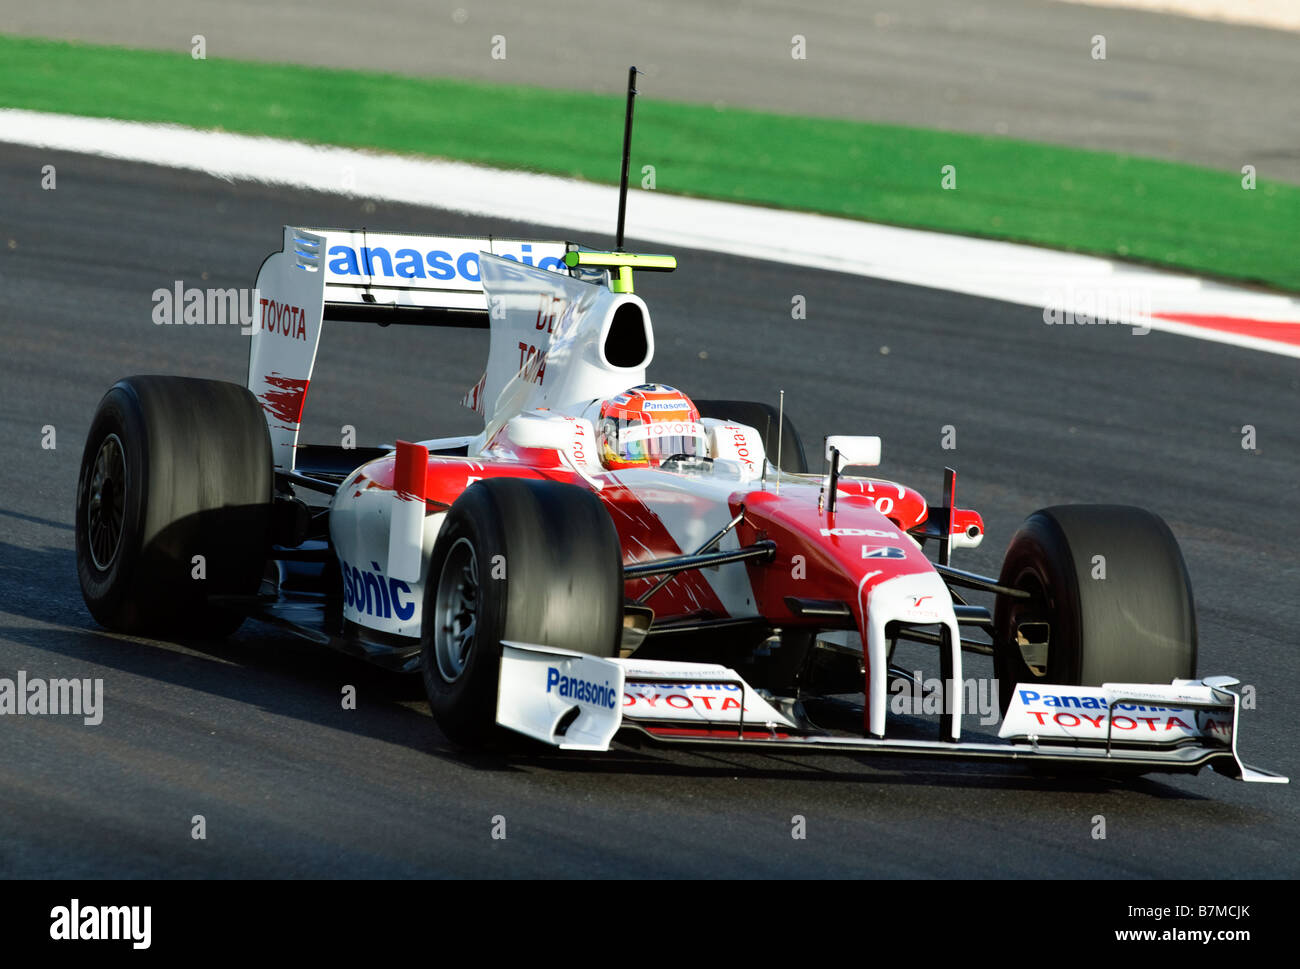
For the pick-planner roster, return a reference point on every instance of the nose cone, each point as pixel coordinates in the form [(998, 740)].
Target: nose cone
[(856, 556), (825, 556)]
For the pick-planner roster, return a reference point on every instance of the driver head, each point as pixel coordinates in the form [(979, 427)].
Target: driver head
[(644, 426)]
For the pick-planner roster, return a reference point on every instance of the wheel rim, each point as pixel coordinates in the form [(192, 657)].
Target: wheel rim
[(106, 502), (456, 606), (1032, 610)]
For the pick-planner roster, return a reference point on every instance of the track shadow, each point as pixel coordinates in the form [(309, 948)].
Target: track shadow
[(275, 677), (298, 679), (295, 678), (651, 759), (36, 520), (40, 583)]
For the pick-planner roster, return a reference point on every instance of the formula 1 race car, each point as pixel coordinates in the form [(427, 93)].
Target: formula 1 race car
[(607, 555)]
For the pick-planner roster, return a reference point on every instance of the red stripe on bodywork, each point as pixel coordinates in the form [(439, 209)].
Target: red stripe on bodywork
[(644, 536), (410, 471), (1276, 330), (285, 401)]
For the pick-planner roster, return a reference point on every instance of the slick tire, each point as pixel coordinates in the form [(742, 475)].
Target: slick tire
[(1111, 586), (519, 560), (174, 468), (765, 419)]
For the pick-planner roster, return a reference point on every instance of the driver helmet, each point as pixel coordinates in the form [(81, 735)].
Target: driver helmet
[(646, 425)]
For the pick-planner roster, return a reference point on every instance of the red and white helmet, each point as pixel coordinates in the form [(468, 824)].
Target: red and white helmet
[(644, 426)]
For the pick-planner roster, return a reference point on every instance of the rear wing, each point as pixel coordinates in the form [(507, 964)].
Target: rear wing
[(340, 275)]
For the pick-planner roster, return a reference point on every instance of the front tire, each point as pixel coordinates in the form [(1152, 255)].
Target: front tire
[(1109, 584), (521, 560)]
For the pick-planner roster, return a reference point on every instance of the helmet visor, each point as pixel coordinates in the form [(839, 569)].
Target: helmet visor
[(657, 441)]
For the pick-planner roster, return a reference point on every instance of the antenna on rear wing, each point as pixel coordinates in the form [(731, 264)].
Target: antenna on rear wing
[(627, 155)]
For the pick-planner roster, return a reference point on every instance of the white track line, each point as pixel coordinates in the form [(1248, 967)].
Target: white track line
[(998, 270)]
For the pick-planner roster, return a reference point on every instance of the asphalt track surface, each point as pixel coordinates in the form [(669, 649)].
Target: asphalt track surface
[(251, 734), (1170, 87)]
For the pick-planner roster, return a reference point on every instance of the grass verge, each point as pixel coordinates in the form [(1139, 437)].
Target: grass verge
[(1168, 214)]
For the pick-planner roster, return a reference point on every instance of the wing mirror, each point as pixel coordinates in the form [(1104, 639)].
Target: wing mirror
[(854, 451), (843, 450)]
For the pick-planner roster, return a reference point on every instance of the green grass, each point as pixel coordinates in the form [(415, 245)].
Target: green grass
[(1169, 214)]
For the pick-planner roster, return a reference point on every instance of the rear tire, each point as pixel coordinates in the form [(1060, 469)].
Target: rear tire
[(173, 468), (522, 560), (765, 419), (1126, 617)]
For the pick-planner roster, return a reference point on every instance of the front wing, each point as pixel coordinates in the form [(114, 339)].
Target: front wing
[(578, 702)]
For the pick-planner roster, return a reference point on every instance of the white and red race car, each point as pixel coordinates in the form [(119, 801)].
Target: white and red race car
[(725, 596)]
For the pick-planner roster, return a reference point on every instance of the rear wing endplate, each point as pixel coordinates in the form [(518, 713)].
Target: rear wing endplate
[(365, 277)]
